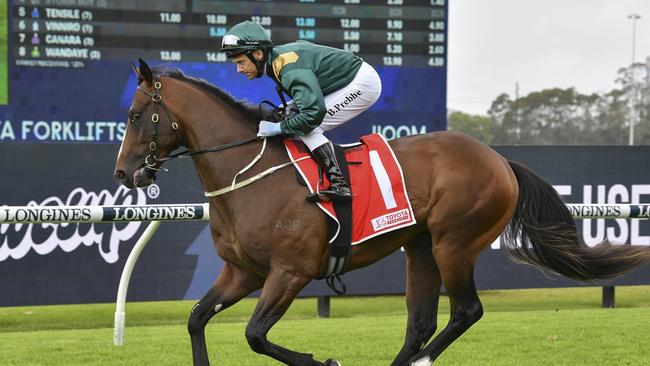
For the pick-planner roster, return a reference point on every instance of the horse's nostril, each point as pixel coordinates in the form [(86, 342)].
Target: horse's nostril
[(120, 175)]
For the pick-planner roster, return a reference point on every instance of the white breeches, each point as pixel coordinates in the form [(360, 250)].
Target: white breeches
[(346, 103)]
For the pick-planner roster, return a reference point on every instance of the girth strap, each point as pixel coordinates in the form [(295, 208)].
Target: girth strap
[(339, 249)]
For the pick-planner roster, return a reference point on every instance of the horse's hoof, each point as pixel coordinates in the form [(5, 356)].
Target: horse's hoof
[(330, 362), (424, 361)]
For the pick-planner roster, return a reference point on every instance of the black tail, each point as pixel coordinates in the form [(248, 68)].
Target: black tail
[(542, 233)]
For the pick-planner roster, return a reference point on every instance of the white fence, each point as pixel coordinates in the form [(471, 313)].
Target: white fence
[(185, 212), (95, 214)]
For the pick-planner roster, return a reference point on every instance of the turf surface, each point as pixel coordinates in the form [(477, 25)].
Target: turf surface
[(523, 327)]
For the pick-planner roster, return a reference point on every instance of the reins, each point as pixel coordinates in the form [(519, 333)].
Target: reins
[(186, 153), (152, 160)]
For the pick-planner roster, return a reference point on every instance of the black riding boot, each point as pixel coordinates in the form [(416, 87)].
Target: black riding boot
[(338, 190)]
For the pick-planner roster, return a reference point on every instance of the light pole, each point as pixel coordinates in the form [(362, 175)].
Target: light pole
[(634, 17)]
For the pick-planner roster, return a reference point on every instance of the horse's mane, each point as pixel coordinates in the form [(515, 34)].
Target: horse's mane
[(250, 111)]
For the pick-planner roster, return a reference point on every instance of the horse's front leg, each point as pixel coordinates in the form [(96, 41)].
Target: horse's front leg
[(280, 288), (232, 284)]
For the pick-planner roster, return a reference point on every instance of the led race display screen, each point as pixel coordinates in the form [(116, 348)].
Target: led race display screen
[(65, 73)]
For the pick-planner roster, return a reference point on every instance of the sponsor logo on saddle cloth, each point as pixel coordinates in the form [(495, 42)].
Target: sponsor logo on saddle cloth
[(380, 203)]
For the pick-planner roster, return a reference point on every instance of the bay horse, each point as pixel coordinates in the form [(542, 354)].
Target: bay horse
[(463, 193)]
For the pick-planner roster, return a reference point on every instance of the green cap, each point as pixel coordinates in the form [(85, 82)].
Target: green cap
[(243, 37)]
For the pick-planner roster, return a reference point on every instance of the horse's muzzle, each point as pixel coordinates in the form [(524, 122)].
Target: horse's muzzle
[(141, 177), (122, 178)]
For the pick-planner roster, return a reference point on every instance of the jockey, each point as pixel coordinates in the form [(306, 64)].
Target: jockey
[(328, 86)]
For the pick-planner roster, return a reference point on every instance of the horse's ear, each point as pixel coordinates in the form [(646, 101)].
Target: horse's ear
[(145, 71), (137, 73)]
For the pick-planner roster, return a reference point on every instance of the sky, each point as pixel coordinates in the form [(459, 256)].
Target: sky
[(495, 44)]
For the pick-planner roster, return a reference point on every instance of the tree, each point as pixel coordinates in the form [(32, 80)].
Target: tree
[(505, 125), (551, 116), (478, 126), (634, 84), (612, 112), (567, 117)]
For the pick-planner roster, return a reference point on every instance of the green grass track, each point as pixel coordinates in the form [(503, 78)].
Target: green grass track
[(520, 327)]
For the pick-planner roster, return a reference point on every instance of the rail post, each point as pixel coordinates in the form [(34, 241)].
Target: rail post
[(120, 304)]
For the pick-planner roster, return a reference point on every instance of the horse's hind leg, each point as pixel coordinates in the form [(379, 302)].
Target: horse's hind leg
[(422, 293), (457, 271), (279, 290), (232, 285)]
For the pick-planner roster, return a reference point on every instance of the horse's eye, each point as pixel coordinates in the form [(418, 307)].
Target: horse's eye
[(135, 117)]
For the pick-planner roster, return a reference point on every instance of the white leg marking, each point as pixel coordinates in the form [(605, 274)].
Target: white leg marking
[(424, 361), (217, 308)]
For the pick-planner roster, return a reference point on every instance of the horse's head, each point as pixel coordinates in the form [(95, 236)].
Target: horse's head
[(151, 132)]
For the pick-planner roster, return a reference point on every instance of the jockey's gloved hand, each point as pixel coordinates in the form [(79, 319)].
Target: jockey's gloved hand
[(291, 110), (269, 129)]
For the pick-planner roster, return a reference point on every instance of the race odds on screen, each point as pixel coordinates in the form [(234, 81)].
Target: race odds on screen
[(65, 73)]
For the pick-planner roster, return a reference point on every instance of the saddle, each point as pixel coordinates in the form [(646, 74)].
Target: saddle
[(379, 204)]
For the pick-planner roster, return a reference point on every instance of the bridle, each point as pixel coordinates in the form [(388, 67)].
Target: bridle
[(151, 160)]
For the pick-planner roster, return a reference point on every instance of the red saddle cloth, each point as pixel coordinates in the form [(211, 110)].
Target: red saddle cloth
[(380, 202)]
